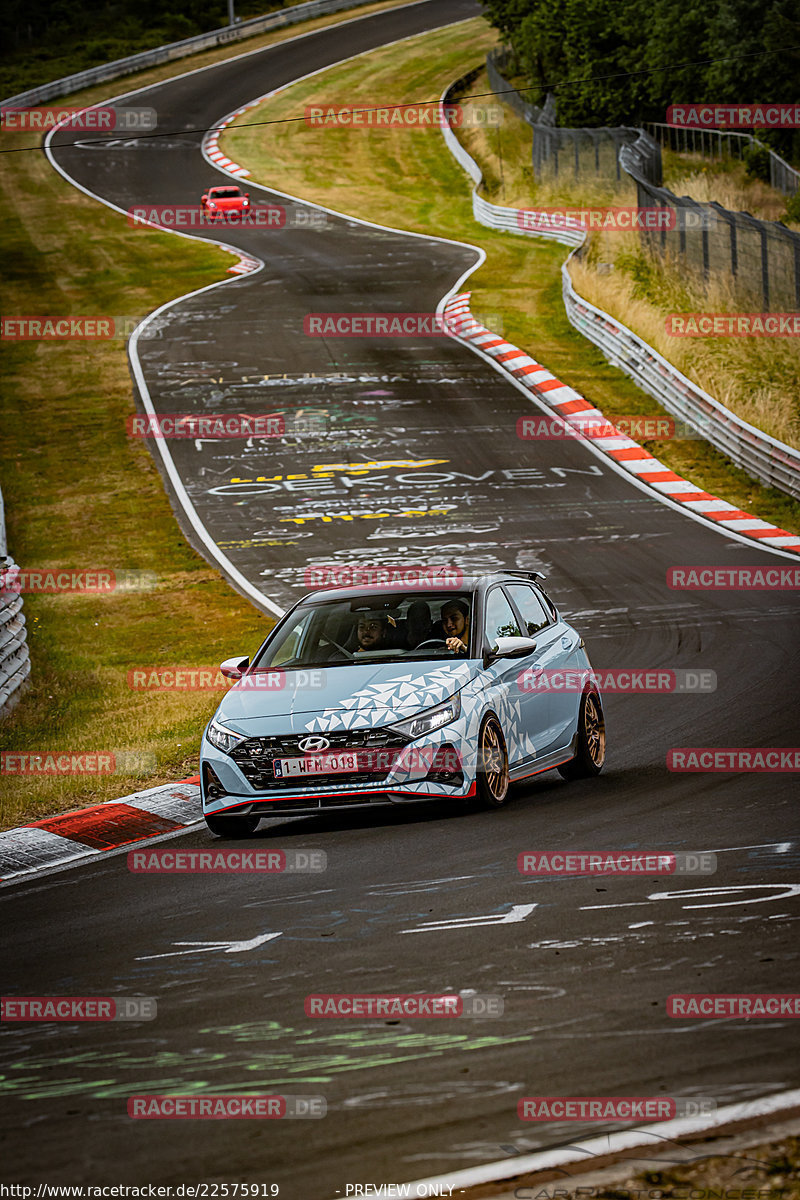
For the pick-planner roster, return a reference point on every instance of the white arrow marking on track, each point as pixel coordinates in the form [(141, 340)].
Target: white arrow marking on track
[(204, 947), (782, 892), (518, 913)]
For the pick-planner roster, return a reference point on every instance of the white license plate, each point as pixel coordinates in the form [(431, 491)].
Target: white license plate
[(315, 764)]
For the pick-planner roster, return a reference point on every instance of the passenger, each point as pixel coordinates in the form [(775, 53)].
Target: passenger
[(455, 620)]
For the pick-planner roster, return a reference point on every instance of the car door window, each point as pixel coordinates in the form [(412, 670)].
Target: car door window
[(500, 620), (530, 606)]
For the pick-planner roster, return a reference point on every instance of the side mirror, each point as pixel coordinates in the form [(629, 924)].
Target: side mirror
[(509, 647), (234, 668)]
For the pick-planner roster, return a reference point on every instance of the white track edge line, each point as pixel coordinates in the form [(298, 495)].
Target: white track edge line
[(611, 1143)]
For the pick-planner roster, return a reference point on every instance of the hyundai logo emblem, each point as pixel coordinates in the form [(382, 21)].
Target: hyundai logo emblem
[(312, 745)]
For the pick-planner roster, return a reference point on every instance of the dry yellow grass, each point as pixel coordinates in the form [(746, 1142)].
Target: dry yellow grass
[(757, 378)]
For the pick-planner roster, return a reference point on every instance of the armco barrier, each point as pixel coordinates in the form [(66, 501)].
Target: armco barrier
[(771, 462), (15, 661), (173, 50)]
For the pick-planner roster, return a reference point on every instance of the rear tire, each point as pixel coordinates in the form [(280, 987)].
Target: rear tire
[(591, 753), (492, 775), (233, 827)]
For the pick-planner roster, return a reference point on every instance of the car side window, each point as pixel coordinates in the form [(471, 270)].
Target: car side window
[(500, 620), (530, 606), (289, 648)]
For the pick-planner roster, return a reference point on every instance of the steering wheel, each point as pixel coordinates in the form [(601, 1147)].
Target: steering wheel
[(431, 642)]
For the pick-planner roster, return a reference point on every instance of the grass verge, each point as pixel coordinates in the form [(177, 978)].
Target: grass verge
[(407, 178), (80, 495), (770, 1172)]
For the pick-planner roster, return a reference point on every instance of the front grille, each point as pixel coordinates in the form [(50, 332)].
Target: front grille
[(255, 759)]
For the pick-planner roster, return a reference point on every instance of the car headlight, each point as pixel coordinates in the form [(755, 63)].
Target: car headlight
[(222, 738), (432, 718)]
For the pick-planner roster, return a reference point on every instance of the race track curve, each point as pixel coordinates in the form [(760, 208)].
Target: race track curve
[(586, 969)]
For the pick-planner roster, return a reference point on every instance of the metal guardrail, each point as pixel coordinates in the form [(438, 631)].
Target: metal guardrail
[(15, 663), (162, 54), (771, 462)]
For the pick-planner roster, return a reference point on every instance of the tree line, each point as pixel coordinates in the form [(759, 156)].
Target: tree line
[(623, 62)]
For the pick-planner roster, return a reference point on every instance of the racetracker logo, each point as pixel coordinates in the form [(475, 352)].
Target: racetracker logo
[(734, 116), (77, 1008), (195, 425), (399, 1004), (641, 429), (57, 329), (733, 325), (57, 762), (404, 116), (611, 1108), (734, 758), (741, 1004), (401, 575), (615, 862), (359, 325), (227, 862), (194, 216), (599, 220), (225, 1108), (619, 679), (55, 582), (211, 679), (98, 120), (736, 579)]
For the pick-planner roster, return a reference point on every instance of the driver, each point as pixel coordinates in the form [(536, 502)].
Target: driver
[(372, 631), (455, 621)]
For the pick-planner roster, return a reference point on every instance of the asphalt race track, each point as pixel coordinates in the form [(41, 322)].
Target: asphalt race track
[(584, 966)]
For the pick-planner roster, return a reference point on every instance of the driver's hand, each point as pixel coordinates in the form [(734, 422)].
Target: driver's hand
[(456, 644)]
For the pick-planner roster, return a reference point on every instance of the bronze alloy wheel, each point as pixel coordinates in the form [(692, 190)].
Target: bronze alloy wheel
[(492, 777), (594, 730), (591, 748)]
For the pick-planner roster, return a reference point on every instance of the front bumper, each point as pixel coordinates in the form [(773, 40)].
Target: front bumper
[(430, 768)]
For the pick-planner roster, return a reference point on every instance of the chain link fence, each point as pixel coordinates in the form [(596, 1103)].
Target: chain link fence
[(716, 143), (758, 260)]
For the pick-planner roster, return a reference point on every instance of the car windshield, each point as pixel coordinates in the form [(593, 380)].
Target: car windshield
[(380, 628), (230, 193)]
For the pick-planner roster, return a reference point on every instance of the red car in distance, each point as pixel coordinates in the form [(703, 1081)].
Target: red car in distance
[(218, 202)]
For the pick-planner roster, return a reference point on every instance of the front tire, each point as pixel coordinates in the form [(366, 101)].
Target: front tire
[(591, 753), (233, 827), (492, 774)]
